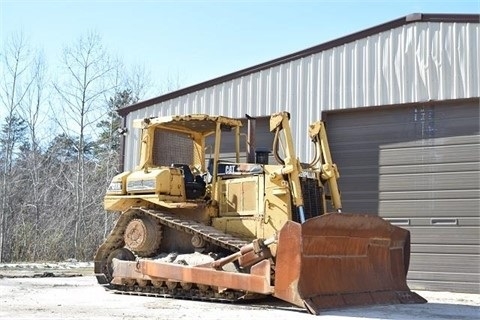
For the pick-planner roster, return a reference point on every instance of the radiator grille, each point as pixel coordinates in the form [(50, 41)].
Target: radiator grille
[(312, 197)]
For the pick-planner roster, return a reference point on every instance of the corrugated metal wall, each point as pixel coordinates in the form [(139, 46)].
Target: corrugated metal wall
[(419, 61)]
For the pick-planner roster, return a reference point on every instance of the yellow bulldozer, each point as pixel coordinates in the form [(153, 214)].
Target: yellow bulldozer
[(202, 220)]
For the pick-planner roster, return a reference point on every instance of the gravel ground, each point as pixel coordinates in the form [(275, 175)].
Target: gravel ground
[(28, 291)]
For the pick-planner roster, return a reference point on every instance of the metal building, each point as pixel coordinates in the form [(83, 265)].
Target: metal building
[(401, 103)]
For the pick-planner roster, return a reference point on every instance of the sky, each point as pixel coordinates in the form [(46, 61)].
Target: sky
[(195, 41)]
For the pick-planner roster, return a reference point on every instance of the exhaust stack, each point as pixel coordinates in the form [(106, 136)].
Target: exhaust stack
[(251, 128)]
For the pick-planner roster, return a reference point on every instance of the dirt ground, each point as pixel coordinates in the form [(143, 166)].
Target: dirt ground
[(70, 291)]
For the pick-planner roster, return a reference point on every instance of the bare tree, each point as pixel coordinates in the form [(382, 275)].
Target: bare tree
[(33, 110), (85, 83), (137, 80), (171, 83), (15, 86)]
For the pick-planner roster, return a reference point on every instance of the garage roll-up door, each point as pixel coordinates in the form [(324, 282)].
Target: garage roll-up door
[(418, 166)]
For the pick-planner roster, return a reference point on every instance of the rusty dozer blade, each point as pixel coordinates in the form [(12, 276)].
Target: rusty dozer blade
[(340, 259)]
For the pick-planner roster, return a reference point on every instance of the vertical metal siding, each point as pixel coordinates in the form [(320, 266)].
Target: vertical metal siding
[(415, 62)]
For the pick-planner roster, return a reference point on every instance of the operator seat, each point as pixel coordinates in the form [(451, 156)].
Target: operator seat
[(194, 185)]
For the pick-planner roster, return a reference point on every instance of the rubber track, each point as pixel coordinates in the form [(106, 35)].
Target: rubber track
[(208, 233)]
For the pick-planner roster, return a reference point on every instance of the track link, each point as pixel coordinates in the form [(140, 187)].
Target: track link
[(178, 293)]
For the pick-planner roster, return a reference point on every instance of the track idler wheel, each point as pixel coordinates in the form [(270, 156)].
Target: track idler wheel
[(142, 283), (120, 254), (171, 284), (186, 285), (143, 236), (198, 243), (158, 283)]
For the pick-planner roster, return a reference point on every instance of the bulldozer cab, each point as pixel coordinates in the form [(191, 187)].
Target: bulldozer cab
[(173, 166)]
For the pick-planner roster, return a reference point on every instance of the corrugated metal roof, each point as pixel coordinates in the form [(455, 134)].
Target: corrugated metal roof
[(416, 17)]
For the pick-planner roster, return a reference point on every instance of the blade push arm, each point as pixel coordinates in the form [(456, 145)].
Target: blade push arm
[(324, 163), (279, 123)]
